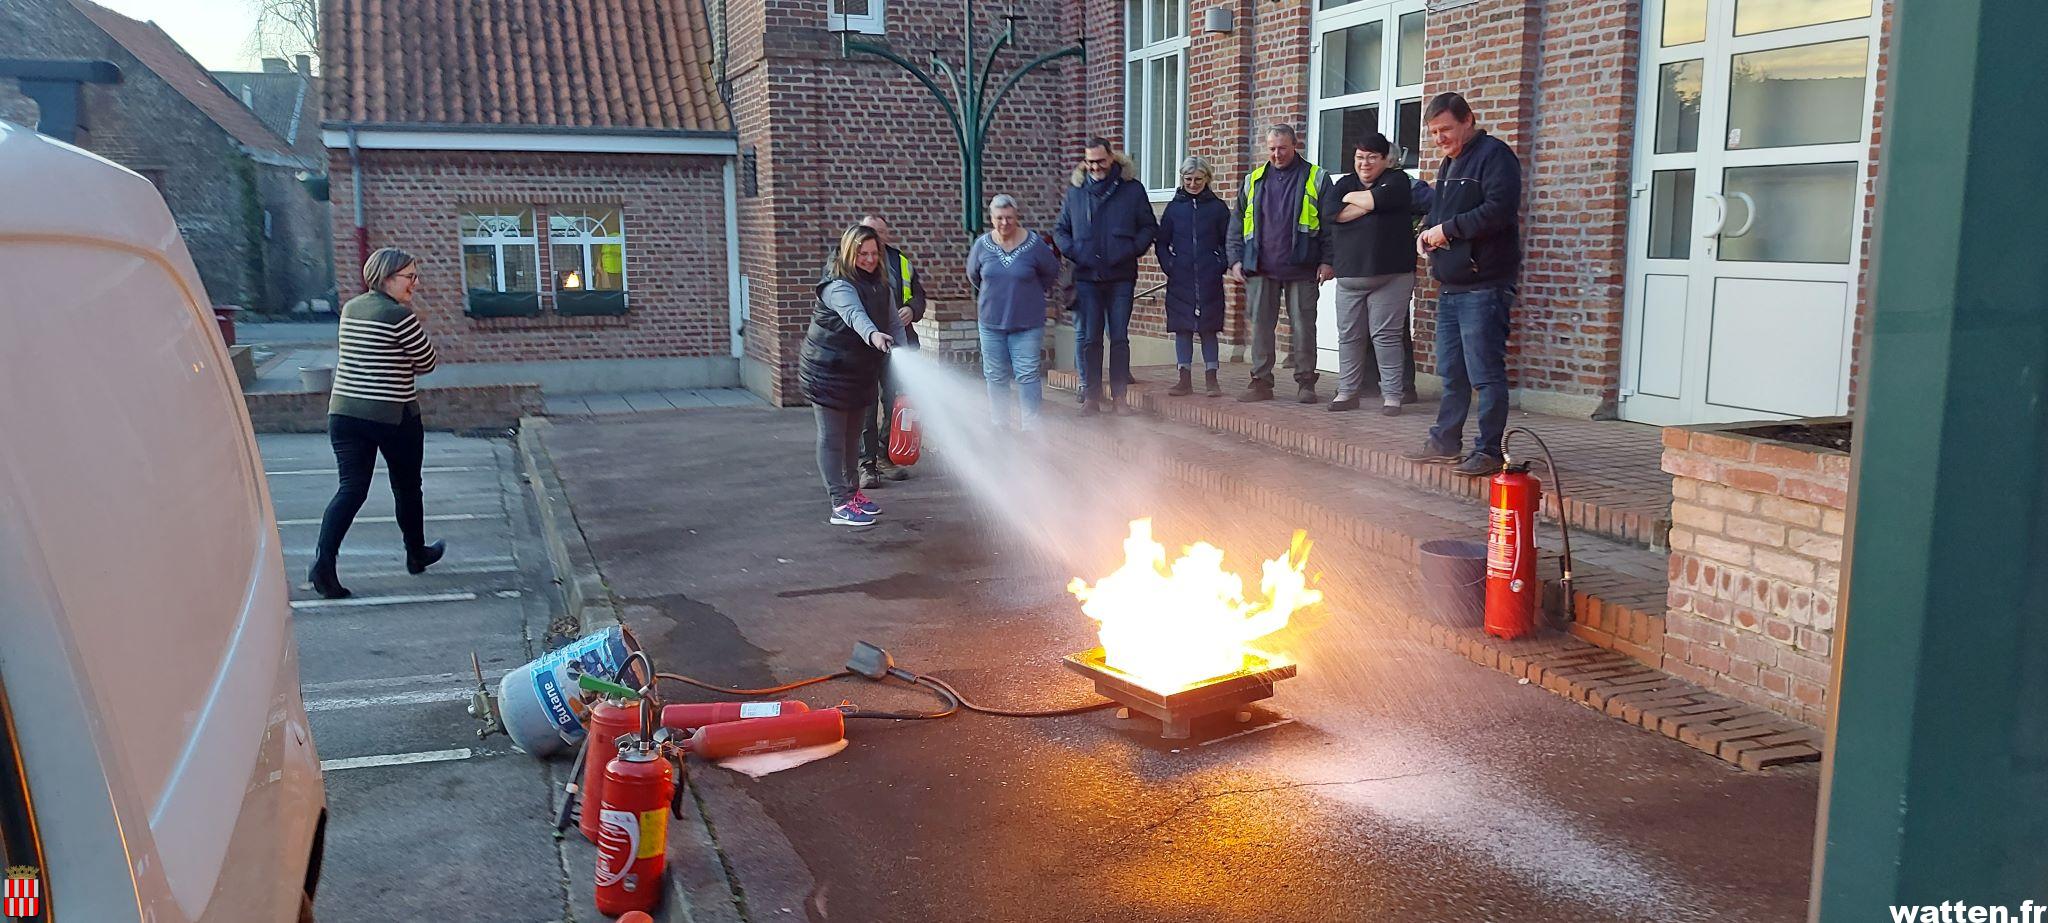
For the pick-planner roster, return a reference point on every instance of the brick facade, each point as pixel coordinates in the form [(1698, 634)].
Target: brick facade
[(673, 218), (1756, 567), (146, 125)]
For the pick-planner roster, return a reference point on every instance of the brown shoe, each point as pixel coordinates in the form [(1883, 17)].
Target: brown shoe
[(1257, 392), (1210, 385), (1306, 395), (1185, 386)]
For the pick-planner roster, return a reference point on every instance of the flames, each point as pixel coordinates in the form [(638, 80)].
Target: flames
[(1172, 626)]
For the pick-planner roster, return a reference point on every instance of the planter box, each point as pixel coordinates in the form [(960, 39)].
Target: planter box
[(590, 304), (502, 304), (1757, 522)]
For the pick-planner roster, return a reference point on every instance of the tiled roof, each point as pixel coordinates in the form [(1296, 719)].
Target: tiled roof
[(574, 64), (168, 60), (288, 104)]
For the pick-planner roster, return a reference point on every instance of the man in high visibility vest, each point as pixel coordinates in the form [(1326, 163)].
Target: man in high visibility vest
[(1278, 250), (908, 284)]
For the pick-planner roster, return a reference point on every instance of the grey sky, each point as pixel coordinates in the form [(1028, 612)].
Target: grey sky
[(214, 31)]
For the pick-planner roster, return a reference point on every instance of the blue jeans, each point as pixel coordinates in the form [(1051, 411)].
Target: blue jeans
[(1184, 348), (1104, 308), (1008, 355), (1472, 354)]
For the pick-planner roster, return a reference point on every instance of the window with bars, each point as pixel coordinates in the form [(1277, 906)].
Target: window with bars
[(500, 261), (587, 253), (1155, 90)]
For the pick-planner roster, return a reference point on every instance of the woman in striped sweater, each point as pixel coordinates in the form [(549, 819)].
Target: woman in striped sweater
[(375, 408)]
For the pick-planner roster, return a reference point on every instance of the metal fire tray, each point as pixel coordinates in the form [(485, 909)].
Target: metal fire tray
[(1177, 710)]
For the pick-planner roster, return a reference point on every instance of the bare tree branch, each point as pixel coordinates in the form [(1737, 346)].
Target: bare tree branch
[(285, 28)]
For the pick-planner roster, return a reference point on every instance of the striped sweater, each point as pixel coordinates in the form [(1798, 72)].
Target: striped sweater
[(382, 348)]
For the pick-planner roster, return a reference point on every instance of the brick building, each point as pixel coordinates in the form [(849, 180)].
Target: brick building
[(285, 95), (231, 183), (1697, 172), (564, 171)]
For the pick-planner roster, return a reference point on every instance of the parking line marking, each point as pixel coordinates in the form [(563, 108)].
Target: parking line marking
[(396, 759), (381, 600), (414, 697), (440, 570), (431, 469), (387, 682), (443, 517)]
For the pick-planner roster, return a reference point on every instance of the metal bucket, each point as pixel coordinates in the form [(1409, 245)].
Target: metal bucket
[(316, 377), (542, 710), (1454, 581)]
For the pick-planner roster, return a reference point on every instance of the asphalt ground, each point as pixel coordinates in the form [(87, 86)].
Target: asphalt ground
[(1390, 781)]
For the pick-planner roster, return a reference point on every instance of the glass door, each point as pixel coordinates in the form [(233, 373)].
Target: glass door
[(1746, 222), (1365, 74)]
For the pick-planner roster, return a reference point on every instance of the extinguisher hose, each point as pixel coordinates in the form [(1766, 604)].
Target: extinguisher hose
[(771, 690), (952, 698), (1564, 527)]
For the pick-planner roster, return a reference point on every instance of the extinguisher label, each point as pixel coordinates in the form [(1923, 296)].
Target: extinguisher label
[(760, 709), (1503, 542), (653, 833), (618, 844)]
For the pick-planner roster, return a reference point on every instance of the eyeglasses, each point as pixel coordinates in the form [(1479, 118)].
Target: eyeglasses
[(1096, 161), (406, 275)]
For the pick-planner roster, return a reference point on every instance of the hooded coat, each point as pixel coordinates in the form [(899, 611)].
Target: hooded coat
[(1192, 250), (1104, 227)]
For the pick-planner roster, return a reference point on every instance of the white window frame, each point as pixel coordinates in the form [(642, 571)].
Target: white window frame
[(584, 241), (499, 237), (1138, 140), (869, 23)]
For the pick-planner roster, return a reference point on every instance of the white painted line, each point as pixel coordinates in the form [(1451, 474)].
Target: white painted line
[(381, 600), (430, 469), (1263, 727), (390, 682), (396, 759), (354, 573), (414, 697), (443, 517)]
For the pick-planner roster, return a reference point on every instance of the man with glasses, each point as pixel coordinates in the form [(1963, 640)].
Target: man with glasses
[(1105, 222)]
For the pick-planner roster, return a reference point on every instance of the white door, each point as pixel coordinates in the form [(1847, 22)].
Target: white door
[(1365, 74), (1746, 225)]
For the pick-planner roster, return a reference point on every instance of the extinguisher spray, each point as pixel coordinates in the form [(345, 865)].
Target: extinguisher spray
[(642, 790), (1514, 589)]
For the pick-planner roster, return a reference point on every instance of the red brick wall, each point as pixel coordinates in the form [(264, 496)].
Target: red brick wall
[(673, 215), (1884, 66), (838, 138)]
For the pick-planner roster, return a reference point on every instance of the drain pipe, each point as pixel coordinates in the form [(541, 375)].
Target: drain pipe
[(355, 176)]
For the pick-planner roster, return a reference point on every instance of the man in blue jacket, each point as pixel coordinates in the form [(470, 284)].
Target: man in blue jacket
[(1105, 222), (1474, 249)]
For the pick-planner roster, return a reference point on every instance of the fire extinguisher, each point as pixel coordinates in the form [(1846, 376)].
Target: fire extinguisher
[(642, 790), (767, 735), (690, 716), (1514, 589), (610, 719), (905, 438)]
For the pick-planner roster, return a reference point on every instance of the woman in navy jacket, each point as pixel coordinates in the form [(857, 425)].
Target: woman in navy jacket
[(1190, 249)]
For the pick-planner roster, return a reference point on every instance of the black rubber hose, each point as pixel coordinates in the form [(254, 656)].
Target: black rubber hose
[(1564, 527), (1010, 713), (771, 690)]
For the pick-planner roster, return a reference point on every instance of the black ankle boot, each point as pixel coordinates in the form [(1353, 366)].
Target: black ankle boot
[(325, 582), (419, 561), (1210, 385), (1185, 385)]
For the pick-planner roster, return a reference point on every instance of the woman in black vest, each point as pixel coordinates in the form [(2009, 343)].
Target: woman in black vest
[(853, 327)]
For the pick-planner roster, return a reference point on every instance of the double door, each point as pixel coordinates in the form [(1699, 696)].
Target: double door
[(1746, 220)]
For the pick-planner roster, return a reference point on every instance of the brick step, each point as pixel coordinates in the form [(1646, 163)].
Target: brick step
[(1610, 659), (1616, 487)]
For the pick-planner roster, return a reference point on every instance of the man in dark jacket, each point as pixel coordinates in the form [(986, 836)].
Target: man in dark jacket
[(907, 284), (1475, 252), (1105, 223), (1278, 251)]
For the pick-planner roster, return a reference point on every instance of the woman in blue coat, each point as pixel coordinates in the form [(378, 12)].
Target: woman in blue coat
[(1190, 251)]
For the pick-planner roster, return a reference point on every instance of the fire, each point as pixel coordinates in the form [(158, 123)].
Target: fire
[(1171, 627)]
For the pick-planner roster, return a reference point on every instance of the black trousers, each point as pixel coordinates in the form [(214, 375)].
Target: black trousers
[(874, 447), (357, 442)]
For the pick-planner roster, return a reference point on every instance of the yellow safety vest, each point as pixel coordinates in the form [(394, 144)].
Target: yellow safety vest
[(903, 274), (1311, 219)]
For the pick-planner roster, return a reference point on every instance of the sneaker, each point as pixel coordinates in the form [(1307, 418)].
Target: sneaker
[(845, 515), (1256, 393), (1478, 465), (1390, 410), (870, 477), (1430, 452), (1306, 394), (1342, 404), (861, 502)]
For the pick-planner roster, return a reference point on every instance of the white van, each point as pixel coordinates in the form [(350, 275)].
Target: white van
[(155, 761)]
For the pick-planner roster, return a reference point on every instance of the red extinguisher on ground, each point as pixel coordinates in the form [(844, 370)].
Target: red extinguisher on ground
[(642, 790), (1514, 589), (905, 436), (610, 719)]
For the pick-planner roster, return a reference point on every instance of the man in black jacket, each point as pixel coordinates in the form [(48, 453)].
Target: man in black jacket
[(1475, 252), (908, 285), (1105, 223)]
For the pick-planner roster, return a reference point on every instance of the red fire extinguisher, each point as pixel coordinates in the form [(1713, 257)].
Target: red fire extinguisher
[(767, 735), (905, 437), (1512, 587), (642, 790), (690, 716), (610, 719)]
